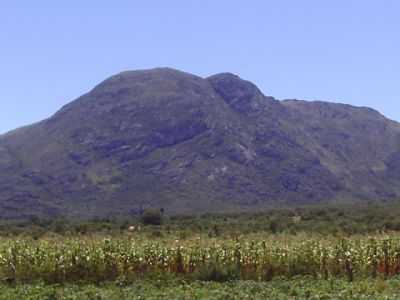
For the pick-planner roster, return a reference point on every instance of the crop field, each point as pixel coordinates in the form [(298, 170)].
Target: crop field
[(129, 258), (211, 258), (199, 267)]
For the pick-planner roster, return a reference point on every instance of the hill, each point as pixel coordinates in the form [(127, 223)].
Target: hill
[(165, 138)]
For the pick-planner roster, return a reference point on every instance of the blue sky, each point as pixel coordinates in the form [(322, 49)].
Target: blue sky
[(344, 51)]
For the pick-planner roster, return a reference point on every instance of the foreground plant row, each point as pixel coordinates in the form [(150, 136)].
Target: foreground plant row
[(299, 289), (96, 260)]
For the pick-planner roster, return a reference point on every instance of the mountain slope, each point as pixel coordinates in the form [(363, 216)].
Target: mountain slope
[(165, 138)]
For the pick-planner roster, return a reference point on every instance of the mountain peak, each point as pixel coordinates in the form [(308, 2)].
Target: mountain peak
[(241, 95), (126, 78)]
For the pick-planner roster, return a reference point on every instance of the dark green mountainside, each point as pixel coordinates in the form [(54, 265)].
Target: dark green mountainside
[(164, 138)]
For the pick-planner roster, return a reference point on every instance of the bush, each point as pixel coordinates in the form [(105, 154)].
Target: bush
[(217, 272), (152, 217)]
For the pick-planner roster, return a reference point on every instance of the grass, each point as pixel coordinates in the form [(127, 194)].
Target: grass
[(295, 289)]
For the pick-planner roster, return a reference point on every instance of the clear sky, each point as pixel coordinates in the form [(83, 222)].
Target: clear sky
[(341, 50)]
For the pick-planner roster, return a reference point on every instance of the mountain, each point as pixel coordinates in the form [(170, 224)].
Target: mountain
[(165, 138)]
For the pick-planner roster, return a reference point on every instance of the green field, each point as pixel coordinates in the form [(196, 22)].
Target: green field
[(283, 254), (297, 288)]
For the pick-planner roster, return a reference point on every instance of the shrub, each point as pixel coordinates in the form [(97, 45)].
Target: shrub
[(217, 272), (152, 217)]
